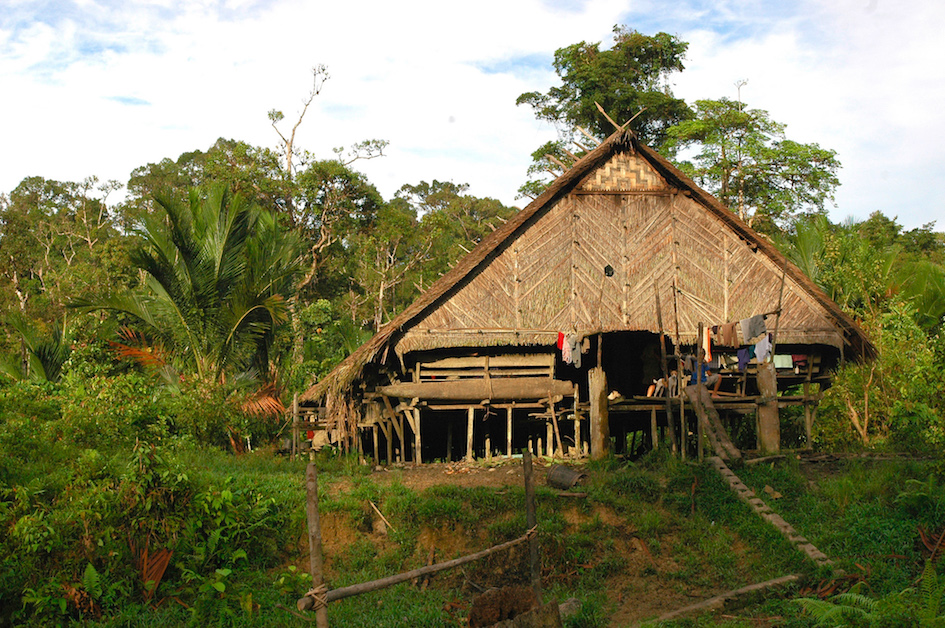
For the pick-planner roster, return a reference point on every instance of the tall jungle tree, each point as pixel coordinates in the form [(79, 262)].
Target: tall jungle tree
[(743, 157), (629, 79)]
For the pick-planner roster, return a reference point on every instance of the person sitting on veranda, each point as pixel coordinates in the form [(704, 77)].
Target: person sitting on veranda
[(710, 378)]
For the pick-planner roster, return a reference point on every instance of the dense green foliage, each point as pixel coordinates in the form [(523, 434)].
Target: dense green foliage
[(745, 160)]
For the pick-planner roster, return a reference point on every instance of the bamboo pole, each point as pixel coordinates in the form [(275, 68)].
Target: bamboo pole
[(679, 384), (382, 583), (700, 365), (531, 521), (559, 450), (295, 425), (669, 409)]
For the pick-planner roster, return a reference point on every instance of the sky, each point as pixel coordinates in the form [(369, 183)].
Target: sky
[(101, 87)]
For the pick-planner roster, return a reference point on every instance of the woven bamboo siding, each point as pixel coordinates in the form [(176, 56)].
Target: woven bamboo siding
[(707, 254), (551, 277)]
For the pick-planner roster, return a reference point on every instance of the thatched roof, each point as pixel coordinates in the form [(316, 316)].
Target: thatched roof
[(673, 233)]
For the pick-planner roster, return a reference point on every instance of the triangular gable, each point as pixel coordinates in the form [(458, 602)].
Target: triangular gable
[(624, 215), (542, 271)]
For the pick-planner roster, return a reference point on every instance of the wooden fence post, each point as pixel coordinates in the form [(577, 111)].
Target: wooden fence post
[(315, 544), (531, 521)]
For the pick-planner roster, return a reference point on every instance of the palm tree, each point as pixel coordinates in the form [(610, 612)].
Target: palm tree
[(42, 356), (218, 273)]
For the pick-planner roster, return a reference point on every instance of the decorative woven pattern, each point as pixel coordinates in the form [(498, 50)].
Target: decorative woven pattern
[(624, 171)]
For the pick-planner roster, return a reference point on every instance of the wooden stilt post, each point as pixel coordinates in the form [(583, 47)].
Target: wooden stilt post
[(449, 440), (470, 422), (377, 454), (387, 430), (399, 428), (488, 441), (578, 449), (654, 432), (508, 432), (531, 521), (315, 543), (559, 447), (418, 456), (549, 439), (600, 407), (769, 423), (397, 424), (808, 419), (700, 367)]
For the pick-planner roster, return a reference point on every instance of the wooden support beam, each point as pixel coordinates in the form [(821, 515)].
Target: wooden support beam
[(559, 449), (397, 424)]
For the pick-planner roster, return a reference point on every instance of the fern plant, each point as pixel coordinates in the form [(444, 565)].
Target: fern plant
[(923, 606), (845, 609), (930, 612)]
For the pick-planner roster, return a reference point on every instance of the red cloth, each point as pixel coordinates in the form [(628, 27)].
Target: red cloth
[(560, 339)]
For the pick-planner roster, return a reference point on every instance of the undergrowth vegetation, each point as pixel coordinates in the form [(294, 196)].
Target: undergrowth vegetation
[(114, 514)]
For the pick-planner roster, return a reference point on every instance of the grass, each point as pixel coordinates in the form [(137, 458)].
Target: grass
[(701, 538)]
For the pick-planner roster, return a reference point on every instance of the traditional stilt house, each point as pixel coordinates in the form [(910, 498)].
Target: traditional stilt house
[(575, 326)]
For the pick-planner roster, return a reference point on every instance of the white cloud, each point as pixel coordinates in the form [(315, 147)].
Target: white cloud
[(113, 85)]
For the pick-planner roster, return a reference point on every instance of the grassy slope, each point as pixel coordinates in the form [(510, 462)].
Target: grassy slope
[(650, 537)]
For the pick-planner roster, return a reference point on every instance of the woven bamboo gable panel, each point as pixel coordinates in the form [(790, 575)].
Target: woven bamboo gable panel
[(551, 275), (721, 278)]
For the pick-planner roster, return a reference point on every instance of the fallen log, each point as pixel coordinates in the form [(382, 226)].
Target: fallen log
[(719, 601)]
